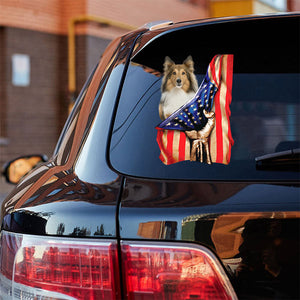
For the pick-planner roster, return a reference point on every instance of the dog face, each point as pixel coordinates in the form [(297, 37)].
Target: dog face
[(179, 75)]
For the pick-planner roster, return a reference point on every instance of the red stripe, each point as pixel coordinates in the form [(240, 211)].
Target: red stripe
[(182, 140), (159, 136), (218, 115), (229, 76), (219, 132), (169, 149), (213, 69)]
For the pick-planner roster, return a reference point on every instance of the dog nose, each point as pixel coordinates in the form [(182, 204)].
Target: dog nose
[(178, 80)]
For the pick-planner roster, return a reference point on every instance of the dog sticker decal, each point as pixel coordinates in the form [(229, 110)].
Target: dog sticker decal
[(179, 84), (198, 128)]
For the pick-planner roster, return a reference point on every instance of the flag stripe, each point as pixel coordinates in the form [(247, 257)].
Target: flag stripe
[(213, 69), (225, 116), (219, 132), (218, 69), (219, 135), (159, 139), (224, 141), (174, 146), (182, 148), (229, 77), (170, 136), (221, 139)]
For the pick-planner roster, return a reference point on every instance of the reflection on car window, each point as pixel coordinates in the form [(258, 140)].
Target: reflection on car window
[(261, 117), (72, 118)]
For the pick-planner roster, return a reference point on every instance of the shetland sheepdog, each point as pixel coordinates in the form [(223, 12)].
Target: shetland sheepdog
[(179, 85)]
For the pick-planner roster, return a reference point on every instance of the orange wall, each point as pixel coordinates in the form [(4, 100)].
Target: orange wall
[(223, 8), (294, 5), (34, 15), (52, 16)]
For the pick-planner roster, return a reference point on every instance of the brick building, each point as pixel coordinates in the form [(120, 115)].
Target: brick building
[(34, 93)]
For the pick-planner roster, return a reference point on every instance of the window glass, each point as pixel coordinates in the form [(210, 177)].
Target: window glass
[(102, 70), (256, 76), (72, 118)]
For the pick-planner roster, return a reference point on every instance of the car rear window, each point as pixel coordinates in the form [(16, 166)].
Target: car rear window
[(245, 104)]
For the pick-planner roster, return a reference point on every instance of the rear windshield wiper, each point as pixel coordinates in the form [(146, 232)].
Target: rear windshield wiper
[(287, 160)]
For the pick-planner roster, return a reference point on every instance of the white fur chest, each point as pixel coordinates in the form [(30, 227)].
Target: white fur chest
[(173, 100)]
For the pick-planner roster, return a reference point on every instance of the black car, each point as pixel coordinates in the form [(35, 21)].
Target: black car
[(176, 175)]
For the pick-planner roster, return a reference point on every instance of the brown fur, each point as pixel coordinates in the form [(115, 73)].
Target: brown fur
[(183, 72), (177, 76)]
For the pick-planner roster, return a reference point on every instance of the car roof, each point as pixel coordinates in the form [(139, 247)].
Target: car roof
[(157, 28), (159, 40)]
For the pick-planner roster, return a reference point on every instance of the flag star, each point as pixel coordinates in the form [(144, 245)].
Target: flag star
[(169, 124)]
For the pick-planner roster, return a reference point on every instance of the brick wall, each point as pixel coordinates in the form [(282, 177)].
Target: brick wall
[(52, 16), (32, 112), (294, 5), (34, 14), (32, 116), (2, 90), (90, 48)]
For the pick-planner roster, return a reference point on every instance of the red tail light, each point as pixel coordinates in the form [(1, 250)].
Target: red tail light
[(56, 268), (34, 267), (173, 271)]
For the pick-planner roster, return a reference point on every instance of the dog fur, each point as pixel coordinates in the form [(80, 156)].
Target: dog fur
[(179, 85)]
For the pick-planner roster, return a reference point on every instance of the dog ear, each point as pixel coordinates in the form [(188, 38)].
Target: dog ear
[(189, 63), (168, 63)]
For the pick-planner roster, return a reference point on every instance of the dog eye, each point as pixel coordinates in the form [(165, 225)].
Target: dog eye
[(174, 73), (183, 73)]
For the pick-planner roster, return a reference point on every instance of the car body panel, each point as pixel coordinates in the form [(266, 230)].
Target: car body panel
[(67, 206), (253, 228)]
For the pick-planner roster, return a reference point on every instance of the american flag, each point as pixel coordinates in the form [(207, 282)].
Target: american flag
[(214, 94)]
